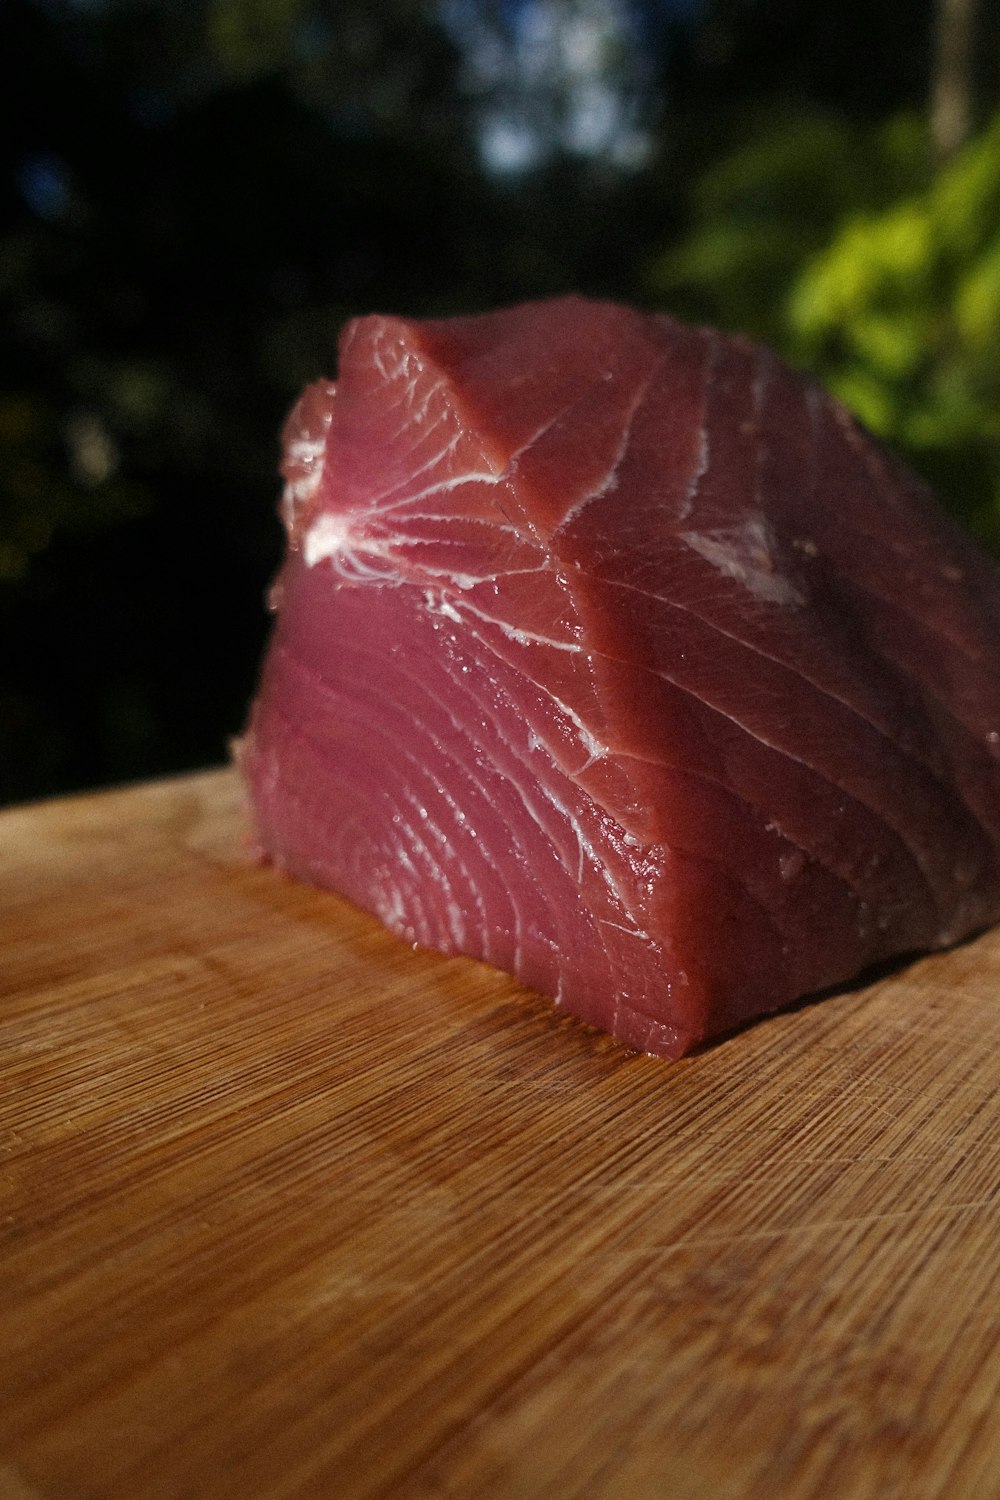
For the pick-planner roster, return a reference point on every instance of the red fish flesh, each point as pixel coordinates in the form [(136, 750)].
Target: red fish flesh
[(612, 652)]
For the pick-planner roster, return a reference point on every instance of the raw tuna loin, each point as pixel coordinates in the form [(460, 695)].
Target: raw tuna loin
[(614, 653)]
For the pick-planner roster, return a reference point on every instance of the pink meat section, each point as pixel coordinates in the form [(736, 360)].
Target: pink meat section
[(602, 655)]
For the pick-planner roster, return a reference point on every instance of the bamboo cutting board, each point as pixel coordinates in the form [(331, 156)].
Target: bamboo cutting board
[(292, 1211)]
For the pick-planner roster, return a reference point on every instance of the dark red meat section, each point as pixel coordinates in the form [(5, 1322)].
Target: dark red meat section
[(614, 653)]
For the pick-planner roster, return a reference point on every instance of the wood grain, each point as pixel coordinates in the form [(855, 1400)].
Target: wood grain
[(289, 1210)]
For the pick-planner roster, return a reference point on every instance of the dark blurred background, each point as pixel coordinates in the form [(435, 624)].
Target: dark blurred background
[(195, 194)]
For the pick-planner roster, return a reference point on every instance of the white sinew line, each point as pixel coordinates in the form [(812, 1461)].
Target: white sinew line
[(610, 479)]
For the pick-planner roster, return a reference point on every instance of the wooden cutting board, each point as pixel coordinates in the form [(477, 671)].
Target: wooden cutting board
[(289, 1210)]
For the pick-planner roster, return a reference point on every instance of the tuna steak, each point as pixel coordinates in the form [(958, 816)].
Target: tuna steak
[(614, 653)]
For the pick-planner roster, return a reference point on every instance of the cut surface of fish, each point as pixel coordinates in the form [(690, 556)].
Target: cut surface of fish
[(614, 653)]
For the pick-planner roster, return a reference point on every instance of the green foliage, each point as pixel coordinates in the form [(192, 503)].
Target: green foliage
[(845, 249), (761, 211), (249, 37), (900, 314)]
